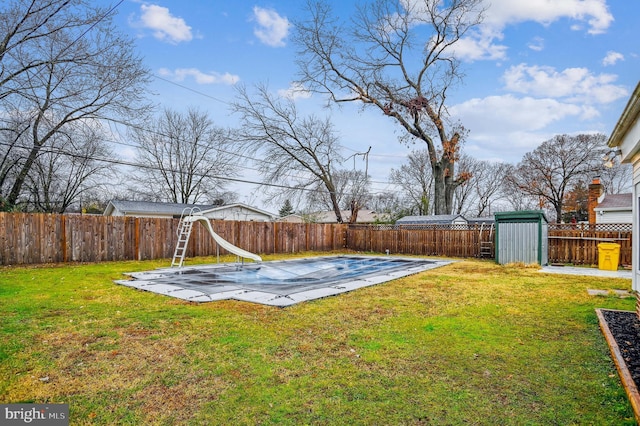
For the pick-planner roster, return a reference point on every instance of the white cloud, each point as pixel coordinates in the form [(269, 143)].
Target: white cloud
[(537, 44), (272, 28), (594, 12), (510, 113), (295, 91), (612, 57), (512, 126), (180, 74), (573, 84), (480, 44), (165, 26)]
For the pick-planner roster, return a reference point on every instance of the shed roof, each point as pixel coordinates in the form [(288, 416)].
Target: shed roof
[(521, 216)]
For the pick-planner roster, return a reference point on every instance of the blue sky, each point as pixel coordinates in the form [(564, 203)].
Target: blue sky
[(535, 68)]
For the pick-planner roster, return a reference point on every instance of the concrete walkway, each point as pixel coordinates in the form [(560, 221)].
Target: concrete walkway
[(592, 272)]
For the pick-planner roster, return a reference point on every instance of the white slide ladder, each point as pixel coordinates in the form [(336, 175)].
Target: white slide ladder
[(184, 232)]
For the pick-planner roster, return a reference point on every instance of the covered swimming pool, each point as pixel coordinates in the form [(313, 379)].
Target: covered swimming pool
[(278, 283)]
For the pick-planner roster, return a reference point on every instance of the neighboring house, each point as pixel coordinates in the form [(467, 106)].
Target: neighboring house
[(239, 211), (291, 218), (614, 208), (626, 138), (175, 210), (148, 208), (364, 216), (440, 219)]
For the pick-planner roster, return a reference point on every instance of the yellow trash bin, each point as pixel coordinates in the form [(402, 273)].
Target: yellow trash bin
[(608, 256)]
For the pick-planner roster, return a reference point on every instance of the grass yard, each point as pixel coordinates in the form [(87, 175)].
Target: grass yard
[(469, 343)]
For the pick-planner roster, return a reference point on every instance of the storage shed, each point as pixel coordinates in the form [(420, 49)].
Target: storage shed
[(522, 237)]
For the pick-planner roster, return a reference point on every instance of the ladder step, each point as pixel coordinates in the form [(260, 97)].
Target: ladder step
[(184, 232)]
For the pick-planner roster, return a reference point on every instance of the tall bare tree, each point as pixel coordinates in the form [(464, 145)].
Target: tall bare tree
[(297, 153), (465, 195), (352, 193), (396, 57), (187, 155), (62, 62), (553, 167), (483, 186), (415, 180)]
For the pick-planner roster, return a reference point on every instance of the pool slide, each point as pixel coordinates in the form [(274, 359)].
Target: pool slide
[(221, 241)]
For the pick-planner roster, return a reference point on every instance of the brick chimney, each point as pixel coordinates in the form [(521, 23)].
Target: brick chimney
[(595, 191)]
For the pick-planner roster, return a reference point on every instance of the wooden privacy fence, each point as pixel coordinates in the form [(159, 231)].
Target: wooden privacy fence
[(578, 243), (428, 240), (49, 238)]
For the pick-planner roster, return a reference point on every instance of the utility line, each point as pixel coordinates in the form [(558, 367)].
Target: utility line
[(120, 162)]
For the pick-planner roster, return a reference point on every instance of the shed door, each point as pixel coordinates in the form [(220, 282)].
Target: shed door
[(518, 242)]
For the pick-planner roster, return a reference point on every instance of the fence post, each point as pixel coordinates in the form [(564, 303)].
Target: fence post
[(63, 231), (136, 238)]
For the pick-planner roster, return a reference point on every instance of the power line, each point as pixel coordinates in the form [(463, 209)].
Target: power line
[(235, 154), (120, 162)]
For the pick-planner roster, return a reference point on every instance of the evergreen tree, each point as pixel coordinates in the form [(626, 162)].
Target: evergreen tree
[(286, 209)]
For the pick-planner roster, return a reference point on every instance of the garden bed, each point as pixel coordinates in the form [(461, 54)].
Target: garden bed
[(622, 331)]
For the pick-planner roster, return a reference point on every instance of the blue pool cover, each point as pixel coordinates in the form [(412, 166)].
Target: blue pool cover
[(279, 283)]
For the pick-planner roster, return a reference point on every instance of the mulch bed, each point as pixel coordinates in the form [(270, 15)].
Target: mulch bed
[(622, 332), (625, 328)]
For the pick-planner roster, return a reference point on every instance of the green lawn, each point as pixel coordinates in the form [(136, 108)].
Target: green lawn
[(468, 343)]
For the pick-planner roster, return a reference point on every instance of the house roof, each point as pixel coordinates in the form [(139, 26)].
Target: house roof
[(486, 219), (291, 218), (615, 202), (150, 207), (626, 120), (212, 209), (435, 219)]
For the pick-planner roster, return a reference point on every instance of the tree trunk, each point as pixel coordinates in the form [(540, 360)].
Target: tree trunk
[(444, 187), (336, 207), (22, 176)]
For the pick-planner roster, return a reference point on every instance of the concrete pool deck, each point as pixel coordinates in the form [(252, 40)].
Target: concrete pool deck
[(194, 283), (199, 283)]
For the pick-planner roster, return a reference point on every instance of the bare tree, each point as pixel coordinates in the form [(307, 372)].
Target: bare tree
[(465, 195), (489, 183), (71, 165), (24, 25), (13, 142), (352, 193), (63, 62), (415, 180), (396, 57), (553, 167), (616, 179), (389, 205), (483, 186), (297, 153), (514, 197), (187, 155)]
